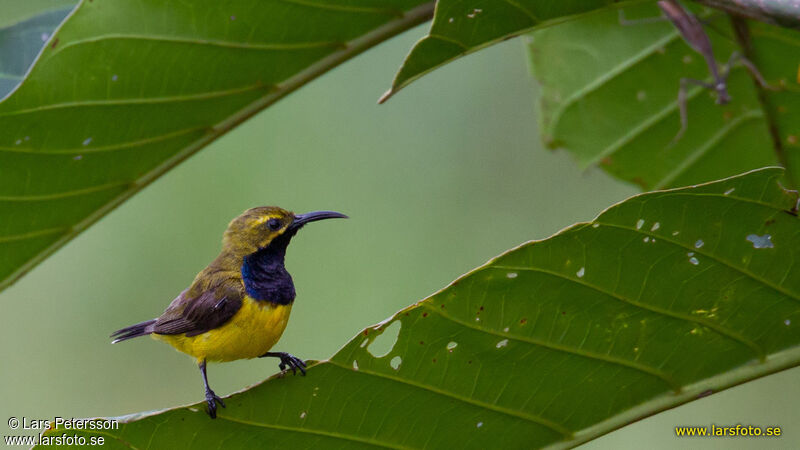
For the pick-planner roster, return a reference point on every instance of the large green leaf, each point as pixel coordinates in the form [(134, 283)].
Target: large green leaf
[(125, 90), (21, 42), (461, 27), (662, 299), (609, 96)]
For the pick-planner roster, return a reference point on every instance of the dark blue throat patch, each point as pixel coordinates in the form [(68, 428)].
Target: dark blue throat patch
[(265, 277)]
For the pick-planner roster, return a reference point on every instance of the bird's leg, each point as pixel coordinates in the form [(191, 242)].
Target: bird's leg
[(287, 360), (211, 398), (682, 100)]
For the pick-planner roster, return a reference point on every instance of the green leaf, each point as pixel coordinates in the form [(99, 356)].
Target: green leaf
[(609, 96), (662, 299), (126, 90), (461, 27), (21, 42)]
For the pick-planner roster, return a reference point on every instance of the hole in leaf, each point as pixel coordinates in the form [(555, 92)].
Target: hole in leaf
[(395, 362), (760, 241), (384, 342)]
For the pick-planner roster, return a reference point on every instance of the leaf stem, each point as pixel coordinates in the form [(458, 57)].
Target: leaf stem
[(741, 30)]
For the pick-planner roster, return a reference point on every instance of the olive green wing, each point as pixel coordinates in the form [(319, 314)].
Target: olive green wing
[(196, 314)]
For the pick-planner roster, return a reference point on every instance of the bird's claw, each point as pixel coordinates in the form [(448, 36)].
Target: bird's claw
[(291, 362), (212, 399)]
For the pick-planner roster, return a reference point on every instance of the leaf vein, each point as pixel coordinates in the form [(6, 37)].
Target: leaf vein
[(64, 194), (267, 46), (609, 75), (345, 8), (105, 148), (510, 412), (710, 325), (32, 234), (565, 349), (706, 146), (700, 251), (142, 100), (320, 433)]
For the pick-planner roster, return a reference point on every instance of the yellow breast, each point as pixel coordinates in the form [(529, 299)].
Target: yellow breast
[(250, 333)]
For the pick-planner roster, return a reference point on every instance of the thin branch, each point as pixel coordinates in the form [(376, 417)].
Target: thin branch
[(742, 32)]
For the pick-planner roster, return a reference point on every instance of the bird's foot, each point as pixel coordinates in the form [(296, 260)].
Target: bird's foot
[(212, 399), (291, 362), (287, 362)]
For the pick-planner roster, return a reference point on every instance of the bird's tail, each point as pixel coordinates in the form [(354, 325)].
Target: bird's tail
[(140, 329)]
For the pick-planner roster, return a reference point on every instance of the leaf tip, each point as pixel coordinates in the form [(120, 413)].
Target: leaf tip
[(386, 96)]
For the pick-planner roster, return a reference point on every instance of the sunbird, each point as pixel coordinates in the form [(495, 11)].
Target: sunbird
[(239, 305)]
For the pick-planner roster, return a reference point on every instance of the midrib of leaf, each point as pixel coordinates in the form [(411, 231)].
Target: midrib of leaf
[(350, 49)]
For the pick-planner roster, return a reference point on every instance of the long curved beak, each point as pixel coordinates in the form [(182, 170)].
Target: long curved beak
[(302, 219)]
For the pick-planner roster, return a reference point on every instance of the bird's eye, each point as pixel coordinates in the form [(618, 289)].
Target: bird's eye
[(274, 224)]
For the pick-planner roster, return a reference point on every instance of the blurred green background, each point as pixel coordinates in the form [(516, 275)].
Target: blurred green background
[(448, 174)]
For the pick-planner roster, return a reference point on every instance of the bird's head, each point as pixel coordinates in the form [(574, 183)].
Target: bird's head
[(257, 228)]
